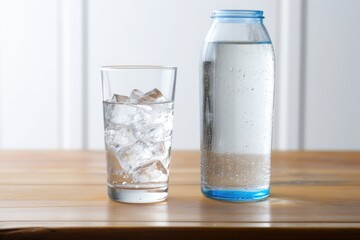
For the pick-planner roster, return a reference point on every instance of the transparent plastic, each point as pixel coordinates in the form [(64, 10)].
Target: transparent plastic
[(236, 100)]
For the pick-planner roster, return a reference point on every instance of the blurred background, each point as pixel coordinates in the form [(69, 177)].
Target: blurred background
[(51, 52)]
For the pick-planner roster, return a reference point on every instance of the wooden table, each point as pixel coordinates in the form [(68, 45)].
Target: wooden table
[(60, 195)]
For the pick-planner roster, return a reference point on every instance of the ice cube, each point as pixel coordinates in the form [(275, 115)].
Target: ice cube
[(155, 133), (116, 98), (135, 95), (118, 136), (124, 113), (160, 151), (163, 114), (153, 96), (151, 172), (133, 156)]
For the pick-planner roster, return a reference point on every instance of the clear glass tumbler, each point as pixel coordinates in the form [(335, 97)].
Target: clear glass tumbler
[(138, 106)]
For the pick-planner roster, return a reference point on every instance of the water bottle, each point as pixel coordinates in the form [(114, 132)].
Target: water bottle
[(236, 102)]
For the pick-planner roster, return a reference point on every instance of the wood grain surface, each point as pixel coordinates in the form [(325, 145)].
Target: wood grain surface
[(62, 195)]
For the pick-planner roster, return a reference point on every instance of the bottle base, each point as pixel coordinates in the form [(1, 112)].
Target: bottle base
[(148, 195), (236, 195)]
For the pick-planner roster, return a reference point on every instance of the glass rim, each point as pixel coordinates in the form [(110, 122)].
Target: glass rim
[(137, 67)]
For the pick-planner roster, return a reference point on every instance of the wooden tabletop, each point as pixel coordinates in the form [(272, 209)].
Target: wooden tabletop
[(60, 195)]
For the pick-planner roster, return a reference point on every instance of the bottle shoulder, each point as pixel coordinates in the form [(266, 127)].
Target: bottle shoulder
[(211, 50), (255, 33)]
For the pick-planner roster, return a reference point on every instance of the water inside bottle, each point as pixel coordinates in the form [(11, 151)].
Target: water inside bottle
[(237, 119)]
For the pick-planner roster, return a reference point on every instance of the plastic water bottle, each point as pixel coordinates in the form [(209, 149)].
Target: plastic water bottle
[(236, 98)]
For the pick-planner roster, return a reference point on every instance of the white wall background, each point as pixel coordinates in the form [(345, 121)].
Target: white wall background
[(332, 72), (51, 52)]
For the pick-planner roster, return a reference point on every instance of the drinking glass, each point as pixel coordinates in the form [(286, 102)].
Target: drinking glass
[(138, 103)]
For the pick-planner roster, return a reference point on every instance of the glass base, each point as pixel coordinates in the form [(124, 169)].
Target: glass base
[(235, 195), (148, 195)]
